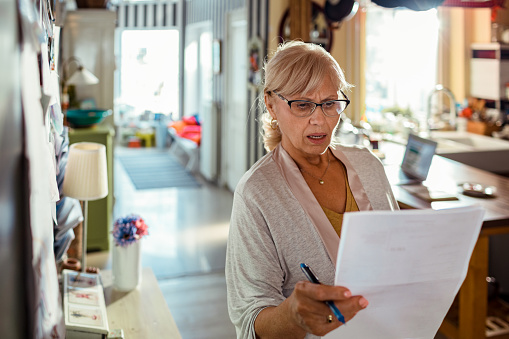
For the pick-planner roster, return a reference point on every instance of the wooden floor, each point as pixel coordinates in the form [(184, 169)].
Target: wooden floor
[(186, 249), (198, 305)]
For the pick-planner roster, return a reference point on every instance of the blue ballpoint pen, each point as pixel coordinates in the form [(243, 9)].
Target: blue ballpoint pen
[(311, 277)]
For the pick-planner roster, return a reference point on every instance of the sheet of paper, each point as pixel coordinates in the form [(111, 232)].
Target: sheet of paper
[(408, 264)]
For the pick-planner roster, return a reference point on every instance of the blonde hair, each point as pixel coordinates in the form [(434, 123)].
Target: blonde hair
[(296, 68)]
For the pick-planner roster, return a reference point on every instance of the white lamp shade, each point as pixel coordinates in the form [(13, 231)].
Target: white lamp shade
[(86, 176), (82, 77)]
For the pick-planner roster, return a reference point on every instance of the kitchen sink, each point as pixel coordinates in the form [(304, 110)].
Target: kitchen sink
[(480, 151), (446, 146), (476, 150), (464, 141)]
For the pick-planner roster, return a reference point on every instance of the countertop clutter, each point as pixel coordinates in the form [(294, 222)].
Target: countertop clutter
[(481, 119)]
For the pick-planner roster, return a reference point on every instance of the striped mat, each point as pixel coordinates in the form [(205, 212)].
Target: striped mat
[(149, 169)]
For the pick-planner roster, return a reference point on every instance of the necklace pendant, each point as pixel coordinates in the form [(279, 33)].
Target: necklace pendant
[(321, 182)]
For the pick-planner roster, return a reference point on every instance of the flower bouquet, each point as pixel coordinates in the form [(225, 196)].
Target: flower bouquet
[(127, 233), (128, 230)]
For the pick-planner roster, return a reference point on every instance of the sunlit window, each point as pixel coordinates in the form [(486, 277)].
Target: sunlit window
[(148, 77), (401, 62)]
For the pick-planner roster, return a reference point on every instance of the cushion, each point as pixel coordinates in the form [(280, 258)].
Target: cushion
[(192, 132)]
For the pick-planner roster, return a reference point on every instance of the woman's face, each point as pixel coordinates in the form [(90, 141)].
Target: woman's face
[(304, 137)]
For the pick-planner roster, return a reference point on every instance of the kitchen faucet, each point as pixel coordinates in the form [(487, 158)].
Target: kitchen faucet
[(452, 107)]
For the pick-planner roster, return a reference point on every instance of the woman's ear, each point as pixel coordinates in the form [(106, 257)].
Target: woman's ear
[(270, 105)]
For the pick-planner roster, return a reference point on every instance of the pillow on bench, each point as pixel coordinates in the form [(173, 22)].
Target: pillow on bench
[(192, 132), (188, 128)]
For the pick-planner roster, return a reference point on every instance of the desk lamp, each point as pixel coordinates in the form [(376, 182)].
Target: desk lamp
[(86, 179)]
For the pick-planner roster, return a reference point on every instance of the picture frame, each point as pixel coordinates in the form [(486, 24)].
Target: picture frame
[(255, 61)]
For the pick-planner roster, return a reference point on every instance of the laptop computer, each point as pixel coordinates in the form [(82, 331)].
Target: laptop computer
[(416, 161)]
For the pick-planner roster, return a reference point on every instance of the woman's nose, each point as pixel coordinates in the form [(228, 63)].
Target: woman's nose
[(318, 116)]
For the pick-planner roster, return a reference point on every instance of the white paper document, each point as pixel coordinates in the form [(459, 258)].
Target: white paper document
[(408, 264)]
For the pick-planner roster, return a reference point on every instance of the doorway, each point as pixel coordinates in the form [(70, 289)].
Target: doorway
[(147, 79), (198, 92), (235, 121)]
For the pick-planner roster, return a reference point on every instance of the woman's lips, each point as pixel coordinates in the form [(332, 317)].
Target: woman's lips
[(316, 138)]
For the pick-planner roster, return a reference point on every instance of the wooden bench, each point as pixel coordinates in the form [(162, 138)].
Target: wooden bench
[(182, 146)]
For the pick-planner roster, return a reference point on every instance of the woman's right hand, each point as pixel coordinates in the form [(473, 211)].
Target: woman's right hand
[(308, 309), (305, 311)]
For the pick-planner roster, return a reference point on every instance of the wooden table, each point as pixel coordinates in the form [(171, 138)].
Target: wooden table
[(141, 313), (446, 174)]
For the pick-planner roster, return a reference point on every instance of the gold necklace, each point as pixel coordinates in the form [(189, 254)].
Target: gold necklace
[(320, 180)]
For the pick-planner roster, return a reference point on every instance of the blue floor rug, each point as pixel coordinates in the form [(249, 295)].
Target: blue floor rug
[(151, 169)]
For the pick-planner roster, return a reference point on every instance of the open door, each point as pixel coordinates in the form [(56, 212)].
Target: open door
[(198, 93)]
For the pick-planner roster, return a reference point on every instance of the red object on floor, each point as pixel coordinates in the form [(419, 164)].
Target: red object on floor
[(134, 142)]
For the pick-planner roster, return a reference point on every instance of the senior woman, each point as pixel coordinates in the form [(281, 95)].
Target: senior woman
[(288, 208)]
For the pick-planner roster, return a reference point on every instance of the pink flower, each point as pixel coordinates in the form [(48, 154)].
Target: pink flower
[(129, 229)]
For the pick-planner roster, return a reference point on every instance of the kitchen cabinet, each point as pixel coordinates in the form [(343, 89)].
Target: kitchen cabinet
[(489, 74), (100, 212), (489, 71)]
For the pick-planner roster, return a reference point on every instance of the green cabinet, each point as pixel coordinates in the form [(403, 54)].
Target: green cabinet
[(100, 212)]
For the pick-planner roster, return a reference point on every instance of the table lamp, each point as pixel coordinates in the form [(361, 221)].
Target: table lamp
[(81, 76), (86, 179)]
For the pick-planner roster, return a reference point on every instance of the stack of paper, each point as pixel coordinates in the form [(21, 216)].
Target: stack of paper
[(408, 264)]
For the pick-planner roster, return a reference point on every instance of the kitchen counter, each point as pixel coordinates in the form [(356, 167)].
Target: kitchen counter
[(445, 175), (479, 151)]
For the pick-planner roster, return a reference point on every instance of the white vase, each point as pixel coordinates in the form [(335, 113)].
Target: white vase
[(127, 266)]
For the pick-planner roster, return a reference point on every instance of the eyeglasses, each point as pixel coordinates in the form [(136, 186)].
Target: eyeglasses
[(304, 108)]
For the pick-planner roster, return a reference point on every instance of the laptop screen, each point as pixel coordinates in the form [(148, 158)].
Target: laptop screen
[(418, 156)]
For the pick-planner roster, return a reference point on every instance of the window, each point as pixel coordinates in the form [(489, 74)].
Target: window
[(149, 73), (401, 63)]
